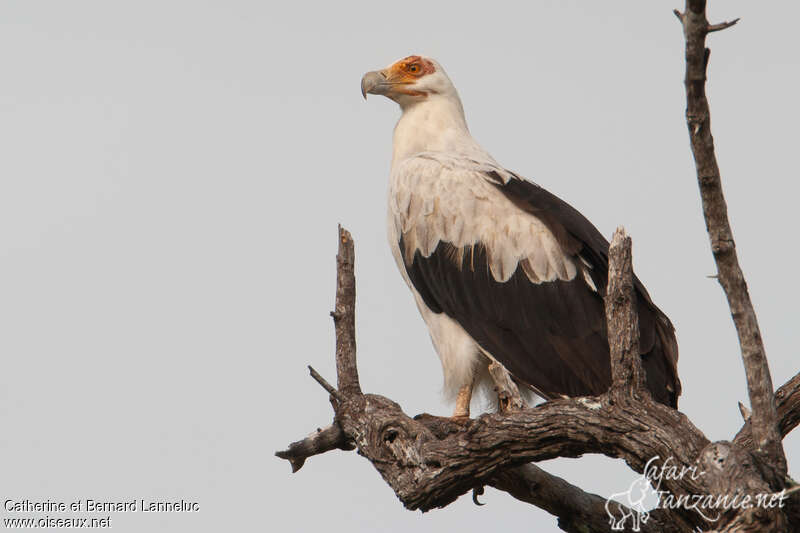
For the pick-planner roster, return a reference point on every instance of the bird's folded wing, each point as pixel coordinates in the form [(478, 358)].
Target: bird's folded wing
[(529, 301)]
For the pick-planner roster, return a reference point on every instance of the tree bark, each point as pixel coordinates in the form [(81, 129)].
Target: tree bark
[(344, 316), (623, 319), (764, 428), (430, 461)]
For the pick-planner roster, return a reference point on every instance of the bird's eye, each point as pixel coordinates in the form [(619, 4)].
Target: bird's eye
[(413, 68)]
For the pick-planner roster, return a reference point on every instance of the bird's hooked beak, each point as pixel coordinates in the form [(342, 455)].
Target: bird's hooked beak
[(374, 82)]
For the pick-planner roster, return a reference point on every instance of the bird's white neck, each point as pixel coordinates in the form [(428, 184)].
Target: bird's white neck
[(436, 124)]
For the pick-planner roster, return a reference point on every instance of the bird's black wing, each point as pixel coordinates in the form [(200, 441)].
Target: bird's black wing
[(550, 335)]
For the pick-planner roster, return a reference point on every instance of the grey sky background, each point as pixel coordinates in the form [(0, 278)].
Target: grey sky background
[(172, 174)]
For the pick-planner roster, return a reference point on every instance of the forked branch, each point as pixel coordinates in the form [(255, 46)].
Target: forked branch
[(429, 461)]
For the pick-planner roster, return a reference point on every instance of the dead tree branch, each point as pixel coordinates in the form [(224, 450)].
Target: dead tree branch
[(787, 403), (344, 316), (623, 319), (430, 461), (577, 511), (324, 383), (763, 420), (321, 441)]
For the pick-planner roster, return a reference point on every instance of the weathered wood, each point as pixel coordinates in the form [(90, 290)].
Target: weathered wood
[(324, 383), (768, 447), (731, 470), (427, 472), (622, 319), (577, 511), (344, 317), (430, 461), (787, 405), (321, 441), (508, 395)]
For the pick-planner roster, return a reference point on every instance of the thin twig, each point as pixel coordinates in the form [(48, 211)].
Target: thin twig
[(789, 492), (322, 381), (722, 25), (745, 412)]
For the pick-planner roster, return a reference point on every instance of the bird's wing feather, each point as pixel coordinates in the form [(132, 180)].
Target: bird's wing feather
[(501, 273), (519, 269), (657, 342)]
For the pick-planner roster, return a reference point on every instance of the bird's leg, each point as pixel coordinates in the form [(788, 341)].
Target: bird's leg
[(462, 401)]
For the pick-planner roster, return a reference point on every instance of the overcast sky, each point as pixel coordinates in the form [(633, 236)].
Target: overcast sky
[(171, 177)]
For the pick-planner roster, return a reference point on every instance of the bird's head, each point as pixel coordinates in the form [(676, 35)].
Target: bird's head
[(408, 81)]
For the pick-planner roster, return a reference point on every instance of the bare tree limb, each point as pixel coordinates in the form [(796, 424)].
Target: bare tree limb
[(321, 441), (759, 383), (623, 319), (427, 472), (787, 403), (332, 437), (722, 25), (577, 511), (344, 317), (324, 383), (430, 461)]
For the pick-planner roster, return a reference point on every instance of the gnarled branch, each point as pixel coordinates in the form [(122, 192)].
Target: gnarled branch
[(430, 461), (577, 511)]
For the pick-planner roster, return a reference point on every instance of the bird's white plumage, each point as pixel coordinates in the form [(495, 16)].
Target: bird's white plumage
[(440, 190), (437, 197)]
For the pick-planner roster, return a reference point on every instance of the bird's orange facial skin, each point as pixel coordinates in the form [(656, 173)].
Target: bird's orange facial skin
[(414, 66), (407, 71)]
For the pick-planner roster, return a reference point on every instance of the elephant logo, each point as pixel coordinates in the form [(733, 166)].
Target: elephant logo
[(634, 507)]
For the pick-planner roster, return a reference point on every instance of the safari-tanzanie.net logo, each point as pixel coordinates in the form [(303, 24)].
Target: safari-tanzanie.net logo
[(632, 512)]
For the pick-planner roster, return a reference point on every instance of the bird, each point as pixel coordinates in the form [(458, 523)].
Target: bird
[(502, 271)]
